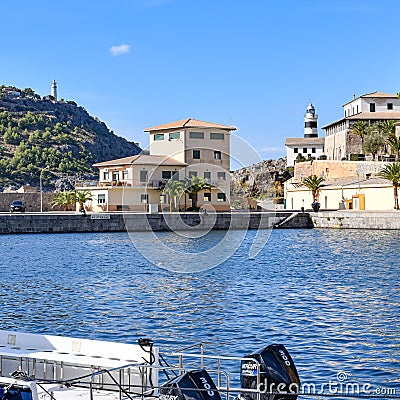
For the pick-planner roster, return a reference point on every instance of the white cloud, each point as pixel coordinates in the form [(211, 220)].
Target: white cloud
[(119, 50)]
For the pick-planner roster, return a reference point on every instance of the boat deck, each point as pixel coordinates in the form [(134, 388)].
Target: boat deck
[(74, 393)]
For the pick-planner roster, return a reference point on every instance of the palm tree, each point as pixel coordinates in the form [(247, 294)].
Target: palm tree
[(82, 196), (313, 182), (194, 185), (360, 128), (391, 172), (387, 128), (173, 189), (394, 144), (63, 199)]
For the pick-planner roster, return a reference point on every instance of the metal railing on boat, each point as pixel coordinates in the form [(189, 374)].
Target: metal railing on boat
[(147, 390)]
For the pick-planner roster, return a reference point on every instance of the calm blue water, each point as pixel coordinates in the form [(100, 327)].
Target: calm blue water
[(331, 296)]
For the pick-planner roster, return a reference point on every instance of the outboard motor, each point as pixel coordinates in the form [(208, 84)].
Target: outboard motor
[(279, 379), (193, 385)]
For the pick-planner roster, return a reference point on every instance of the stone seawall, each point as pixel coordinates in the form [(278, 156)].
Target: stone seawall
[(117, 222), (141, 222), (356, 219)]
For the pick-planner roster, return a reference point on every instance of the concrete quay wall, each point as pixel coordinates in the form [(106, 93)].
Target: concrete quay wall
[(349, 219), (141, 222)]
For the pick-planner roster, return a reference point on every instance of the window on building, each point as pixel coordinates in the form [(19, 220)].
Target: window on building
[(221, 175), (175, 176), (296, 150), (312, 149), (159, 136), (372, 107), (304, 149), (174, 135), (221, 197), (345, 113), (390, 106), (192, 174), (207, 197), (357, 109), (106, 176), (144, 198), (217, 136), (207, 176), (166, 174), (196, 154), (163, 199), (196, 135), (101, 198), (143, 175), (217, 155), (115, 176), (125, 174)]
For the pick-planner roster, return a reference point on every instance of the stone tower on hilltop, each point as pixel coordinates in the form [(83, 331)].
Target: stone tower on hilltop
[(54, 89)]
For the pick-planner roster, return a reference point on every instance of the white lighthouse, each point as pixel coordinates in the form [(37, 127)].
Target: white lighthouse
[(307, 148), (310, 122), (54, 89)]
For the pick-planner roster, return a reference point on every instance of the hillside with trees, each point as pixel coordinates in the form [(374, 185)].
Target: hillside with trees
[(37, 133)]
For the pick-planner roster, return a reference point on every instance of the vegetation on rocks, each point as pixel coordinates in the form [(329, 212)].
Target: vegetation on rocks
[(36, 133), (260, 181)]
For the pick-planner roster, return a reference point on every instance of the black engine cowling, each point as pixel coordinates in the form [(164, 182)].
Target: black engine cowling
[(193, 385), (279, 379)]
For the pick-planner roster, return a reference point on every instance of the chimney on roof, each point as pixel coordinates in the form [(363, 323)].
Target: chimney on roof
[(354, 96)]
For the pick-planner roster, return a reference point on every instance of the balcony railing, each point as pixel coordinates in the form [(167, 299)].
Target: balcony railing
[(132, 183), (153, 183)]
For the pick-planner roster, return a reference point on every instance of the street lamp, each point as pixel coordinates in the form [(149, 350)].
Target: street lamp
[(41, 187)]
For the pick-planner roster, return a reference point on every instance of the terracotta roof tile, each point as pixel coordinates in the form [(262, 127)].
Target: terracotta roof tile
[(141, 159), (305, 141), (372, 95), (384, 115), (394, 115), (189, 123), (379, 94)]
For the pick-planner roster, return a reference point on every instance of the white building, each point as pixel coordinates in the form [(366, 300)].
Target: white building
[(354, 185), (310, 146), (178, 150), (372, 107)]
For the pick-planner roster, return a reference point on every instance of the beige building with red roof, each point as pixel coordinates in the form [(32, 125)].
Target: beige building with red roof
[(371, 107), (179, 150)]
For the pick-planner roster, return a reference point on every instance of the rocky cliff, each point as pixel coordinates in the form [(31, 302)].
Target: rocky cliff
[(260, 181), (35, 133)]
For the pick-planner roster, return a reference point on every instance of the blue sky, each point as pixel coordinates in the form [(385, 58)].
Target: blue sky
[(255, 64)]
